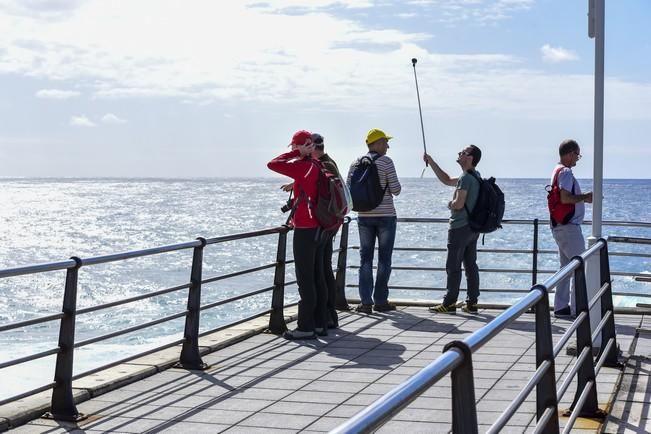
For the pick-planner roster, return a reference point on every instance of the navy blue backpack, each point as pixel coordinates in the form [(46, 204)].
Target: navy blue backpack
[(365, 188)]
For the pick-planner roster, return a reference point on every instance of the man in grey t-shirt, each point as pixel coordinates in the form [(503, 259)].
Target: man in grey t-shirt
[(462, 241), (568, 237)]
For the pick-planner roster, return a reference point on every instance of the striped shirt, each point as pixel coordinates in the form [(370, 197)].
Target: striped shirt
[(387, 174)]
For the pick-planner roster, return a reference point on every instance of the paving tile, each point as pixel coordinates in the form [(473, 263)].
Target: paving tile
[(310, 396), (273, 420), (335, 386), (362, 399), (345, 410), (325, 424), (194, 427), (257, 430), (301, 408), (414, 427), (267, 384)]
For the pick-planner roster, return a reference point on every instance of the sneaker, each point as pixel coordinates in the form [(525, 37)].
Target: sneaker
[(344, 307), (566, 311), (469, 307), (384, 307), (298, 334), (442, 308), (321, 331), (364, 308)]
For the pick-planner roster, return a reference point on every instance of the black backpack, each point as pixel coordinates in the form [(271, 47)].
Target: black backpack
[(365, 188), (488, 212)]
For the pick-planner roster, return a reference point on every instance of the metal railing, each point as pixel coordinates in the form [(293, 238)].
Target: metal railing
[(535, 251), (457, 358), (62, 401)]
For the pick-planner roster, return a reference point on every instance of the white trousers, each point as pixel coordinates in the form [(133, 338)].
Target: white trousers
[(569, 239)]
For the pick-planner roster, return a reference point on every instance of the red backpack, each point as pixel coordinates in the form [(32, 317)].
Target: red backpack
[(330, 205), (331, 199), (559, 213)]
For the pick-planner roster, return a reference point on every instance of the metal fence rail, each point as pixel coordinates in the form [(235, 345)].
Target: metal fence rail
[(62, 403), (534, 251), (457, 360)]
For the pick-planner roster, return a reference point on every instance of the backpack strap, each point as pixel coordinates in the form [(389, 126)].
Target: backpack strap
[(294, 206), (474, 175), (555, 180), (373, 156)]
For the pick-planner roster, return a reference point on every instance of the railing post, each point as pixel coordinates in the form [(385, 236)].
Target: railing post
[(464, 408), (546, 387), (340, 299), (277, 323), (534, 264), (584, 340), (608, 331), (63, 403), (190, 357)]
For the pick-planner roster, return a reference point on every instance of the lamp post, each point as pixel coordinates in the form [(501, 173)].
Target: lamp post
[(596, 31)]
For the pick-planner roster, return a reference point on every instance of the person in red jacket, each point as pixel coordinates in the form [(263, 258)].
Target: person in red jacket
[(298, 165)]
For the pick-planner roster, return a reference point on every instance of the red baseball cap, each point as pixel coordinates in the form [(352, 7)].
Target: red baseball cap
[(300, 137)]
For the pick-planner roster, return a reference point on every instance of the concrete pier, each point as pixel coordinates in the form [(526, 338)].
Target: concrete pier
[(264, 383)]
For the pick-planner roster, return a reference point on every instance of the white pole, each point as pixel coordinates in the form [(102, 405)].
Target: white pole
[(596, 30), (598, 17)]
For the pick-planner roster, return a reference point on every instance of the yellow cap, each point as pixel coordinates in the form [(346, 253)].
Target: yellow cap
[(376, 134)]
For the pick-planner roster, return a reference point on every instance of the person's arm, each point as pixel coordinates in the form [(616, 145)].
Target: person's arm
[(351, 169), (284, 165), (392, 178), (567, 197), (458, 200), (287, 187), (440, 173), (566, 182)]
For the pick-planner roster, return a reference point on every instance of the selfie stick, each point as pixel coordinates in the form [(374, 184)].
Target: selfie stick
[(420, 112)]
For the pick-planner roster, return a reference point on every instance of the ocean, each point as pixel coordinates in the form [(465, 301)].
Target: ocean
[(47, 220)]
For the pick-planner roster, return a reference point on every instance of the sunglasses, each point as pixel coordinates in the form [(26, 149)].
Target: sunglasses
[(467, 154)]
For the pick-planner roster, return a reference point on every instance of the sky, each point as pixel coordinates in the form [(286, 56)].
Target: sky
[(203, 88)]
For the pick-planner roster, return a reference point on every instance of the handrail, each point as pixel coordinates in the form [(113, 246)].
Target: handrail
[(535, 251), (38, 268), (138, 253), (62, 401), (544, 380)]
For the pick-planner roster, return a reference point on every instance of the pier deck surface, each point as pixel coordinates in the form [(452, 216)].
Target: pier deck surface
[(630, 413), (267, 384)]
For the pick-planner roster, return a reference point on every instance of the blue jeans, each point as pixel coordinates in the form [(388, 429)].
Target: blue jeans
[(384, 229)]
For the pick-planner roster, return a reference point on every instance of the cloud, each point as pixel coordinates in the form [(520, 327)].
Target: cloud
[(474, 11), (81, 121), (40, 9), (111, 119), (557, 54), (279, 58), (57, 94)]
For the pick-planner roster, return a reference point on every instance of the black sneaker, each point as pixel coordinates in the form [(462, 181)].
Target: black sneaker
[(442, 308), (384, 307), (364, 308), (293, 335), (566, 311), (469, 307)]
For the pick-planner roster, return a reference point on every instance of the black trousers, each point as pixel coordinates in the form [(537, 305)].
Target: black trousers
[(329, 279), (308, 249)]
